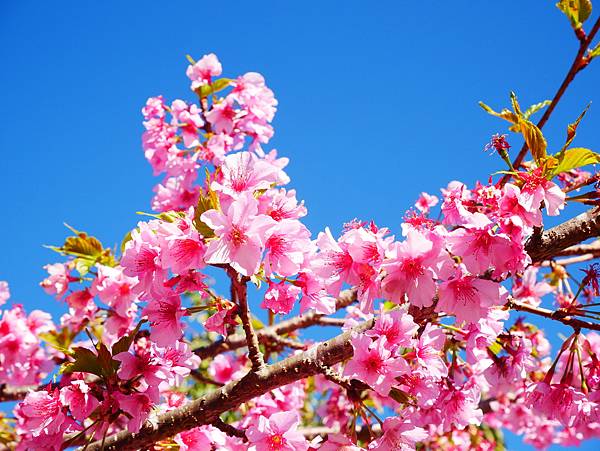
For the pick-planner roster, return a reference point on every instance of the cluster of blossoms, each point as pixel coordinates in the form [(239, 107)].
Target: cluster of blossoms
[(439, 363), (22, 360)]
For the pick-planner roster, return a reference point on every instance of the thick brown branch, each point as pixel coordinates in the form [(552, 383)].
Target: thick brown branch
[(305, 320), (206, 410), (557, 239), (582, 249), (557, 315), (569, 260), (15, 393)]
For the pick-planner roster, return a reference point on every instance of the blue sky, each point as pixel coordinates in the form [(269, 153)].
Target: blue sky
[(377, 102)]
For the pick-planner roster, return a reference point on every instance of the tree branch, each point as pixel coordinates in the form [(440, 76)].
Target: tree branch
[(557, 315), (582, 249), (8, 393), (579, 62), (241, 291), (555, 240), (305, 320), (207, 409)]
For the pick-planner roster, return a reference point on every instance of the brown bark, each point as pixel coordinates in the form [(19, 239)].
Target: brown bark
[(555, 240), (206, 410)]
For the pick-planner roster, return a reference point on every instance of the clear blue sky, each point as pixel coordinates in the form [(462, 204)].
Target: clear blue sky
[(377, 102)]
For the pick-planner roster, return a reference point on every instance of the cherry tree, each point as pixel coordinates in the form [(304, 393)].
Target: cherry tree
[(435, 343)]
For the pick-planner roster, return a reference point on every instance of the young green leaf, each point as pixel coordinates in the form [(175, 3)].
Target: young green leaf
[(85, 361), (216, 86), (577, 11), (535, 108), (576, 157), (535, 140)]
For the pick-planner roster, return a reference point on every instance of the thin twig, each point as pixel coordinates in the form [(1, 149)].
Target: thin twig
[(579, 62), (241, 291), (230, 430), (303, 321), (558, 315)]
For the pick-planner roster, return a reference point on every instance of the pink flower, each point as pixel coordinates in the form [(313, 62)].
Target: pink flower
[(220, 321), (187, 118), (41, 412), (468, 298), (138, 406), (251, 92), (285, 245), (147, 370), (373, 364), (277, 433), (114, 288), (165, 318), (58, 279), (225, 368), (398, 435), (456, 196), (529, 290), (141, 257), (185, 248), (339, 442), (555, 401), (280, 297), (397, 326), (202, 71), (425, 202), (216, 148), (241, 235), (460, 406), (411, 267), (4, 292), (482, 249), (281, 204), (23, 361), (314, 295), (514, 204), (200, 438), (222, 116), (537, 189), (244, 171), (428, 351), (176, 193), (79, 398), (178, 361)]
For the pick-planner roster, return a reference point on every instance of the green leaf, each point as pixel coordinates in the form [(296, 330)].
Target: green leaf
[(124, 343), (595, 51), (108, 365), (572, 131), (59, 340), (216, 86), (577, 11), (206, 202), (535, 108), (535, 140), (505, 114), (86, 249), (85, 361), (400, 396), (576, 157)]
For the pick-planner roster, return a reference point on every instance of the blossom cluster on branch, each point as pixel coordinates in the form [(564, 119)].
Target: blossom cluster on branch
[(151, 354)]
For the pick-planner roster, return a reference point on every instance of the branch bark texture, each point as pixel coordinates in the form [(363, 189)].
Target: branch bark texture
[(553, 241), (207, 409)]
